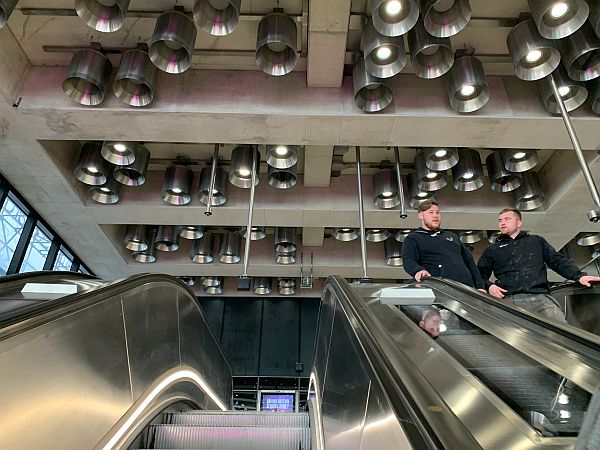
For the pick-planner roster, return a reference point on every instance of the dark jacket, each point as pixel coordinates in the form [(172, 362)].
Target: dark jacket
[(519, 264), (442, 254)]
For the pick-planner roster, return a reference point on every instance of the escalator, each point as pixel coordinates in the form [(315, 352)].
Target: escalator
[(580, 304)]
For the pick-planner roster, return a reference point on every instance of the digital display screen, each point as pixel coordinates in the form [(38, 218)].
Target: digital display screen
[(277, 402)]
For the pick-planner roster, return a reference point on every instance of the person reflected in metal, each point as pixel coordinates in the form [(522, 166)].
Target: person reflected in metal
[(431, 321)]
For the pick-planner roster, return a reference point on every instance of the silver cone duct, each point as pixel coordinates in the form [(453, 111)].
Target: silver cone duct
[(556, 19), (519, 160), (136, 78), (501, 180), (385, 189), (393, 252), (384, 56), (445, 18), (440, 158), (468, 89), (91, 168), (276, 44), (529, 195), (172, 43), (102, 15), (134, 174), (87, 78), (394, 17), (167, 239), (202, 252), (107, 194), (136, 238), (431, 56), (177, 185), (573, 93), (217, 17)]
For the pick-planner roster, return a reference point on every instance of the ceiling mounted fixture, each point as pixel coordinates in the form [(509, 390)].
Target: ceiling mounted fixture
[(219, 196), (371, 94), (345, 234), (261, 285), (556, 19), (240, 171), (92, 168), (431, 56), (202, 252), (519, 160), (285, 239), (501, 180), (573, 93), (135, 79), (282, 156), (377, 235), (102, 15), (190, 231), (533, 56), (282, 178), (136, 238), (468, 173), (177, 184), (276, 44), (134, 174), (149, 255), (119, 153), (587, 239), (468, 89), (107, 194), (394, 17), (211, 281), (529, 195), (470, 237), (385, 188), (594, 95), (493, 236), (6, 9), (256, 233), (87, 78), (445, 18), (392, 250), (167, 239), (172, 43), (594, 16), (581, 53), (285, 258), (188, 281), (427, 179), (287, 286), (384, 56), (217, 17), (229, 248), (416, 195), (440, 158), (217, 289), (401, 235)]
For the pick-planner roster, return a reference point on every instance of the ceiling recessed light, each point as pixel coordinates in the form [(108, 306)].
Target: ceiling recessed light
[(393, 7), (559, 10)]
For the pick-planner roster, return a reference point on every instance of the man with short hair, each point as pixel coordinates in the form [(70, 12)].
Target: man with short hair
[(431, 251), (518, 261)]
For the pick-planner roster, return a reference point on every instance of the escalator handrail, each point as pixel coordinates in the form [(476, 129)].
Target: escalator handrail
[(19, 278)]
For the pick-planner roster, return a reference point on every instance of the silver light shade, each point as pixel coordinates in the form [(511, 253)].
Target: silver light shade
[(219, 190), (371, 94), (468, 173), (202, 252), (416, 195), (581, 53), (594, 97), (91, 168), (501, 180), (240, 172), (190, 231), (261, 285), (533, 56), (587, 239), (468, 89), (282, 178), (211, 281), (188, 281), (217, 17), (87, 78), (285, 258), (276, 44), (285, 239), (445, 18), (102, 15), (393, 252), (134, 174), (427, 179), (215, 290), (167, 239), (493, 236), (431, 56), (401, 235), (119, 153), (345, 234), (573, 93), (394, 17), (177, 185), (229, 248), (385, 189), (556, 19), (256, 233), (135, 79), (519, 160), (377, 235), (440, 158), (6, 9), (136, 238), (173, 42), (385, 56), (282, 156), (287, 286), (149, 255), (470, 237), (529, 195), (108, 194), (594, 16)]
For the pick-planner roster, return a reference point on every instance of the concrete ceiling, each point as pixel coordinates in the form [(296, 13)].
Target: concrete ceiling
[(225, 99)]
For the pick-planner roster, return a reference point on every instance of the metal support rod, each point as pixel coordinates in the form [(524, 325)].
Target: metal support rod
[(403, 214), (576, 145), (213, 176), (250, 210), (361, 214), (594, 259)]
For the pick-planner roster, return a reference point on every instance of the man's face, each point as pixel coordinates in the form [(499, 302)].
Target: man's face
[(431, 219), (509, 223), (431, 324)]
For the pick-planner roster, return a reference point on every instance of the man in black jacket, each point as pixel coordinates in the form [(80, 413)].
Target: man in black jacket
[(518, 260), (430, 251)]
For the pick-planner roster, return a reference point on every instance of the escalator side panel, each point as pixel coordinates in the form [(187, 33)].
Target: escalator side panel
[(324, 327)]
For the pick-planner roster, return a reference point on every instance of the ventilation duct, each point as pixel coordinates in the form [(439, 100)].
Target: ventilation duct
[(230, 248), (556, 19), (401, 235), (345, 234), (282, 178), (135, 79), (282, 156), (177, 185), (287, 286), (427, 179), (385, 188), (256, 233), (587, 239), (377, 235), (285, 239), (468, 173), (202, 252), (394, 17), (149, 255), (470, 237), (119, 153), (167, 239), (134, 174), (529, 195), (384, 56), (431, 56), (445, 18), (261, 285), (240, 173), (501, 180), (91, 168), (468, 89), (285, 258), (440, 158), (393, 252), (173, 42), (519, 160), (107, 194), (190, 231), (217, 17), (102, 15), (136, 238), (371, 94), (276, 44), (6, 9), (219, 196), (415, 194), (573, 93), (87, 78)]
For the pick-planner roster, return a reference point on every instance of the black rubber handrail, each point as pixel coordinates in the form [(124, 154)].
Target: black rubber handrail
[(34, 276)]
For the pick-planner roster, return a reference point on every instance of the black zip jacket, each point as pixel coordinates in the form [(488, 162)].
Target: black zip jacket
[(442, 254), (519, 264)]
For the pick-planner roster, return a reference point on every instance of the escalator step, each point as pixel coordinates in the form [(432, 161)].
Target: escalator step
[(229, 419)]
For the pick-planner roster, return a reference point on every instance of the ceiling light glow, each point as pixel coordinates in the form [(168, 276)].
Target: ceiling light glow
[(383, 53), (468, 175), (519, 155), (564, 90), (467, 90), (393, 7), (441, 153), (120, 147), (281, 150), (559, 10), (533, 56), (244, 173), (431, 175)]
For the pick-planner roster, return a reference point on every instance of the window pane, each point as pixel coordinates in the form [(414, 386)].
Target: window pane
[(63, 262), (36, 254), (12, 220), (82, 269)]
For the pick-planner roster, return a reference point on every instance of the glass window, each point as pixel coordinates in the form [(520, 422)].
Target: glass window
[(36, 253), (12, 220), (82, 269), (63, 261)]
